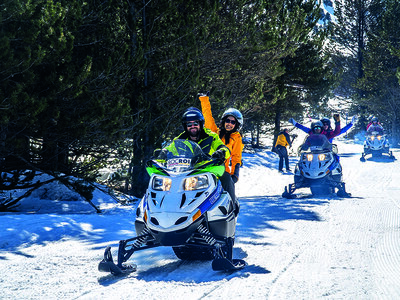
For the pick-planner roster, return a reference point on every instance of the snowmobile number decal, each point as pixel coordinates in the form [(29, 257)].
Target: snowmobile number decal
[(178, 162), (212, 199)]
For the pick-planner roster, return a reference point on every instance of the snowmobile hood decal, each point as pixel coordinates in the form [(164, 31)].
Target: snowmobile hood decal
[(211, 199)]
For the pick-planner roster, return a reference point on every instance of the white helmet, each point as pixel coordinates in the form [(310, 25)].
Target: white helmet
[(234, 113)]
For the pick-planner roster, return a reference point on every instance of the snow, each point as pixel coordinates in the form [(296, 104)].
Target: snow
[(303, 248)]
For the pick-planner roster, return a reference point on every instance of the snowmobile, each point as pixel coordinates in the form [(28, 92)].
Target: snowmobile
[(318, 169), (376, 144), (185, 208)]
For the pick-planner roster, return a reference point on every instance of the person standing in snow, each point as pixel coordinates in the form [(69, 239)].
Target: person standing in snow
[(228, 131), (282, 141)]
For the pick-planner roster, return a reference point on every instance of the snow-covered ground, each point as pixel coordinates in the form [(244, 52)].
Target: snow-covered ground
[(304, 248)]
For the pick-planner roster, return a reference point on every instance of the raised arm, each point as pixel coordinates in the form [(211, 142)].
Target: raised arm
[(206, 110)]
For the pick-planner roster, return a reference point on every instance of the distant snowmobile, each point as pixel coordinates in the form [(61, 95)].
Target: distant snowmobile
[(376, 144), (185, 208), (318, 169)]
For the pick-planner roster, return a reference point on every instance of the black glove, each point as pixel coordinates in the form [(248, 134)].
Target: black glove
[(235, 175), (219, 154), (160, 154), (156, 152), (234, 178), (336, 117)]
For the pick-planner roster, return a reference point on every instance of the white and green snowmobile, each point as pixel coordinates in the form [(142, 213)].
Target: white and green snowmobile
[(185, 208)]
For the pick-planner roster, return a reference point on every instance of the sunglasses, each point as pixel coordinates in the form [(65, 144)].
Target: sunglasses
[(317, 127), (233, 122), (191, 124)]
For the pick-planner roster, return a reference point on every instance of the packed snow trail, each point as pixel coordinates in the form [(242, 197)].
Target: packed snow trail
[(304, 248)]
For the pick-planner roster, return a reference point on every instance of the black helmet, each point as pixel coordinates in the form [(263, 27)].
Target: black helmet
[(233, 113), (326, 121), (192, 114), (316, 124), (374, 119)]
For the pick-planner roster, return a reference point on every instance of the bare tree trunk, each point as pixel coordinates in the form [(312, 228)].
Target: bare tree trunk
[(277, 128), (395, 132)]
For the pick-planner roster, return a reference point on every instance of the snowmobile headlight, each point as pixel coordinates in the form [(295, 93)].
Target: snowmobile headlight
[(372, 137), (161, 183), (196, 183), (379, 137), (309, 157), (321, 157)]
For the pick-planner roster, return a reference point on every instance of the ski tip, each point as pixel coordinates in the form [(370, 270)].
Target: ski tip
[(110, 267), (225, 265)]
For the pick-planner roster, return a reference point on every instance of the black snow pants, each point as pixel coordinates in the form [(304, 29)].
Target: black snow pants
[(283, 155), (229, 186)]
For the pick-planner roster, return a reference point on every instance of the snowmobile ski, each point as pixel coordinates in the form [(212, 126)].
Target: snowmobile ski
[(224, 264), (108, 265)]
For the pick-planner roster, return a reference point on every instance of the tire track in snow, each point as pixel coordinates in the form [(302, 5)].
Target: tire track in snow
[(378, 181), (352, 249), (386, 260)]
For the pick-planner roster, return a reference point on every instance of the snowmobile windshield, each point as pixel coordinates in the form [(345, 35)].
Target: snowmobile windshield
[(181, 156), (316, 142), (375, 133)]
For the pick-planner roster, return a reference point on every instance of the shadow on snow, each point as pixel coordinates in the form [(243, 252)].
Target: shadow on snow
[(257, 213)]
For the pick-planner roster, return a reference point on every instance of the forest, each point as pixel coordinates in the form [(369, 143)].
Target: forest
[(90, 84)]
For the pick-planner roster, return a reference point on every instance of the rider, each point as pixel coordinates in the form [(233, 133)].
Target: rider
[(370, 117), (209, 142), (375, 126), (326, 129), (317, 137), (327, 125), (228, 131)]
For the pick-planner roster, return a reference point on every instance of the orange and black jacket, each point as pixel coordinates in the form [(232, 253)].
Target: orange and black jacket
[(283, 139), (235, 144)]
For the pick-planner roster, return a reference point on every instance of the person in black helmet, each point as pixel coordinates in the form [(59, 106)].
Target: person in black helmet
[(210, 143), (375, 126), (326, 129), (317, 137)]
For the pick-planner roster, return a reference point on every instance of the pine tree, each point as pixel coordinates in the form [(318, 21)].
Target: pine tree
[(63, 72), (352, 23), (308, 77), (380, 82)]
